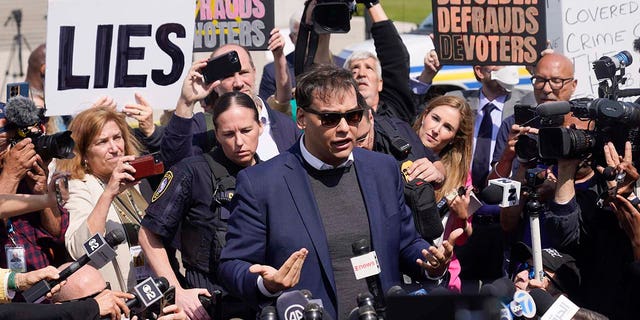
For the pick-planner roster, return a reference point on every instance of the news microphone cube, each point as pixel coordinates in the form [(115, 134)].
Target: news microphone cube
[(99, 251), (510, 191), (148, 292)]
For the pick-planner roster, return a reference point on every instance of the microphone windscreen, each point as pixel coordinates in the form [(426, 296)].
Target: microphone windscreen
[(396, 291), (492, 194), (504, 287), (360, 247), (22, 112), (162, 283), (268, 313), (553, 108), (290, 305), (114, 238), (543, 300)]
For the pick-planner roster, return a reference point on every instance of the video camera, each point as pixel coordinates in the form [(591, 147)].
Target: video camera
[(333, 16), (26, 119), (610, 120)]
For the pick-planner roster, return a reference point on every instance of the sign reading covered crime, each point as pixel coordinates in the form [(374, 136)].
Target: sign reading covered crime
[(244, 22), (585, 30), (116, 48), (495, 32)]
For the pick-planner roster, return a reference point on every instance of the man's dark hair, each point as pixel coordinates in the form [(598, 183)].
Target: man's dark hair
[(323, 82)]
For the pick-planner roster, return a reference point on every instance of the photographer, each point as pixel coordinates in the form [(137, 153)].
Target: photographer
[(36, 236)]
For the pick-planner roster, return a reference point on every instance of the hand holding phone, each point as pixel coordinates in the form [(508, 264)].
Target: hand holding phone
[(147, 165), (221, 67)]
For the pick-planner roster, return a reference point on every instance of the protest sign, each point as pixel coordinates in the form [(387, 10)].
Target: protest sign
[(585, 30), (116, 48), (493, 32), (243, 22)]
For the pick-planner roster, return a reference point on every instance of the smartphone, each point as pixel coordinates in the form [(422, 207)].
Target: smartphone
[(524, 115), (221, 67), (17, 89), (147, 165), (168, 298)]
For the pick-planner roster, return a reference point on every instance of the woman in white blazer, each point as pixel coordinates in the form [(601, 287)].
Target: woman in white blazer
[(103, 194)]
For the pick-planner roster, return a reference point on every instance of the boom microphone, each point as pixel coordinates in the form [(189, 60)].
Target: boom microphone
[(99, 251), (555, 108), (22, 112)]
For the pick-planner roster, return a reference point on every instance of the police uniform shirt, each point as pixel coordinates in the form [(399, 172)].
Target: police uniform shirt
[(185, 192)]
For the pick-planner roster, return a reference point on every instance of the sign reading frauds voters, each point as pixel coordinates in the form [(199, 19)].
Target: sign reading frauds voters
[(494, 32), (246, 22), (116, 48)]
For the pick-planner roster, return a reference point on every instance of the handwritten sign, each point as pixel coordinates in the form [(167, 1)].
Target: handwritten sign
[(116, 48), (495, 32), (585, 30), (246, 22)]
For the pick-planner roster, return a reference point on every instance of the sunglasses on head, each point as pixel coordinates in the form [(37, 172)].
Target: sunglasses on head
[(332, 119)]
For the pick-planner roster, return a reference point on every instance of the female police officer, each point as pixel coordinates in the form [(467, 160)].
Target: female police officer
[(193, 196)]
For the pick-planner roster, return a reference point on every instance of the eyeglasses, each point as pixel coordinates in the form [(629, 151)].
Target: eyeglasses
[(332, 119), (525, 266), (554, 83), (91, 296)]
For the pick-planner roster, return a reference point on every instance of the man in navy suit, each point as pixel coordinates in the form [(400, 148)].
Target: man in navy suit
[(302, 210)]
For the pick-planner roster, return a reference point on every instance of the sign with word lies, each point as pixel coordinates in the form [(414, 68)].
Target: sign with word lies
[(489, 32), (243, 22), (586, 30), (116, 48)]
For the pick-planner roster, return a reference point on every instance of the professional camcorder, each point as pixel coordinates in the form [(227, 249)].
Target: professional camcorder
[(27, 120), (610, 120), (333, 16)]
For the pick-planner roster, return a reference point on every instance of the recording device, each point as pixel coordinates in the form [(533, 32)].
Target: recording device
[(268, 313), (474, 201), (365, 265), (606, 67), (291, 304), (513, 302), (168, 298), (62, 190), (366, 300), (99, 251), (221, 67), (17, 89), (524, 115), (148, 292), (312, 311), (333, 16), (420, 198), (23, 116), (212, 304), (147, 166)]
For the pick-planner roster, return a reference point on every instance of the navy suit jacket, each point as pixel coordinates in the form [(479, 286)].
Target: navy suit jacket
[(275, 213)]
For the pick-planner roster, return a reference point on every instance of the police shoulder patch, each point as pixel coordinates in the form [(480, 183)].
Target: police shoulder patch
[(162, 187)]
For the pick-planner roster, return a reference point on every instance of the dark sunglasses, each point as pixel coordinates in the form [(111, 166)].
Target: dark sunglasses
[(332, 119)]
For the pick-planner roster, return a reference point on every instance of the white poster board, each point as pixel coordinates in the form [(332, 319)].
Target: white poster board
[(116, 48), (585, 30)]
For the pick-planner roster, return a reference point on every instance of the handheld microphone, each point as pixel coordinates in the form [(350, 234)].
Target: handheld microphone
[(268, 313), (555, 108), (148, 292), (290, 305), (561, 309), (367, 312), (523, 305), (99, 251), (313, 312), (365, 265), (542, 299), (509, 192)]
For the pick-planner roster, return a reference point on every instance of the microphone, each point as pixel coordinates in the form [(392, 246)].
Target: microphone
[(99, 251), (543, 300), (396, 291), (291, 304), (313, 312), (22, 112), (554, 108), (523, 305), (268, 313), (364, 299), (561, 309), (365, 265), (505, 192), (148, 292), (367, 312)]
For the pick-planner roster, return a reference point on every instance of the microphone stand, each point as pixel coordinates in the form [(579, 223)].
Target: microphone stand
[(533, 208)]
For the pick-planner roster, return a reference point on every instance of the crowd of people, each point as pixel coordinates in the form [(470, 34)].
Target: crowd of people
[(265, 192)]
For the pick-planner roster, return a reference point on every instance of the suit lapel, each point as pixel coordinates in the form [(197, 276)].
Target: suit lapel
[(370, 196), (300, 188)]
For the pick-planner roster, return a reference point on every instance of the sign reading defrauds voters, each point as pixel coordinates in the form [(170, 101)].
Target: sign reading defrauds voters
[(116, 48), (494, 32), (243, 22)]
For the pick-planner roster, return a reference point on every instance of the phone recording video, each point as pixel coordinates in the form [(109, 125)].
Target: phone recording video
[(221, 67)]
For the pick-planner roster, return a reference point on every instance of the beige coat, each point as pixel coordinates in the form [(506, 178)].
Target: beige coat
[(83, 195)]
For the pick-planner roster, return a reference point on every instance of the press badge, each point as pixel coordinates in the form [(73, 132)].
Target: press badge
[(140, 265), (15, 258)]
